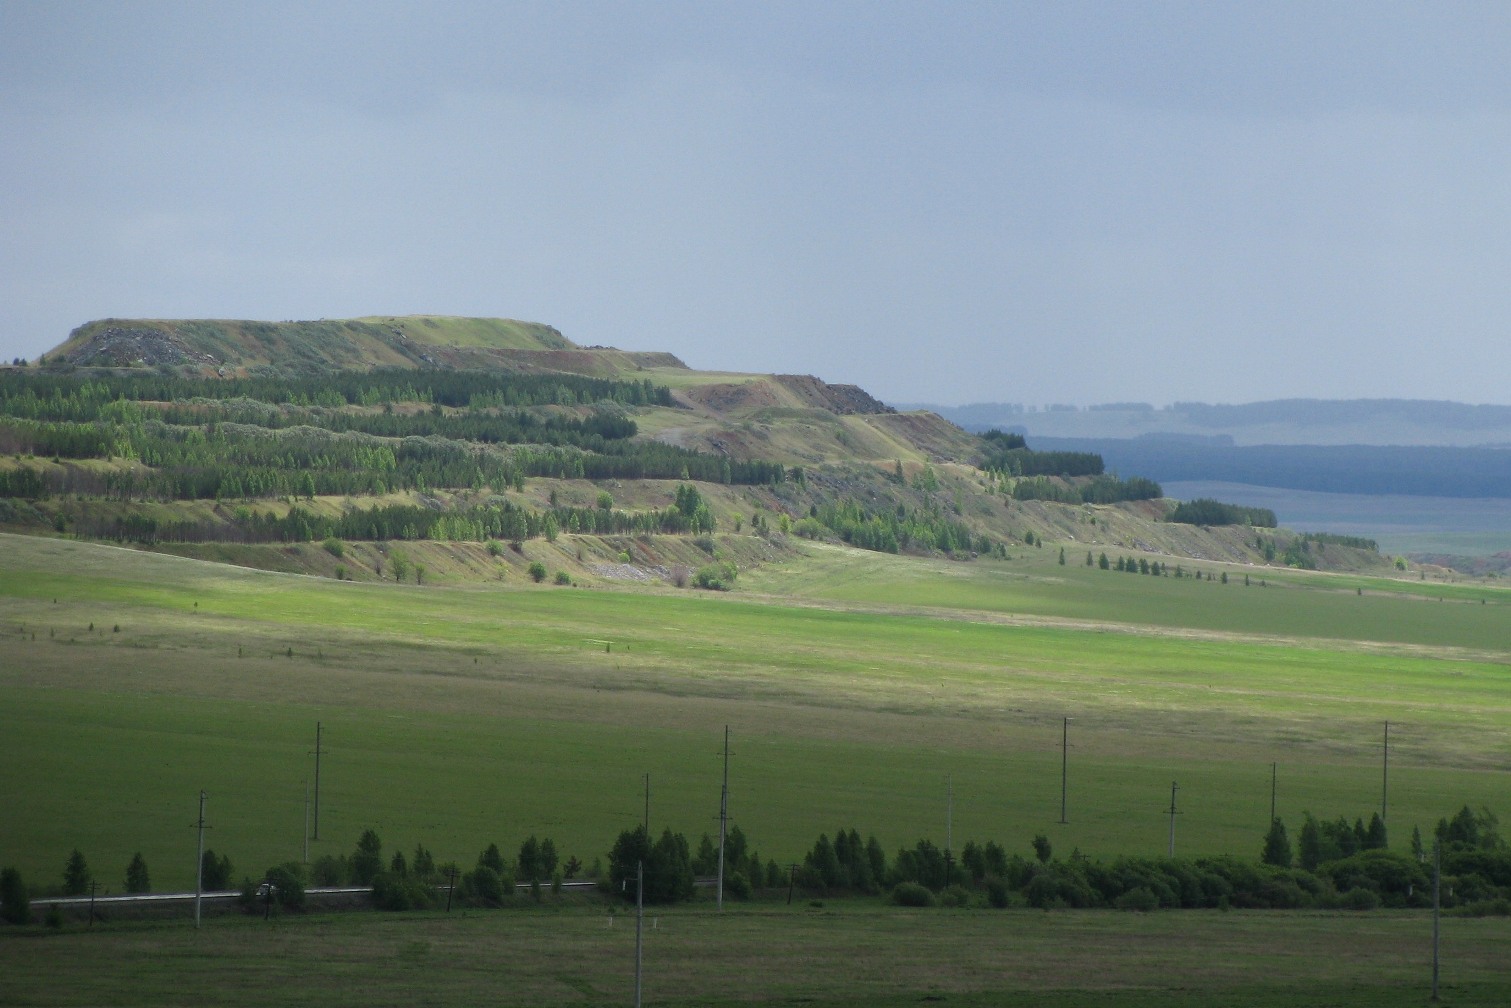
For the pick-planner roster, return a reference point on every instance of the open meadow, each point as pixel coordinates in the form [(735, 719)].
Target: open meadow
[(903, 698), (843, 954)]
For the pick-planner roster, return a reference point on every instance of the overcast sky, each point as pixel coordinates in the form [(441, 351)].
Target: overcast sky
[(945, 202)]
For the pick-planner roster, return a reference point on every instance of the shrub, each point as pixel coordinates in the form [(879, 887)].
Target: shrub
[(484, 885), (537, 572), (215, 872), (287, 880), (737, 885), (392, 891), (955, 896), (335, 547), (912, 894), (1484, 908), (997, 893), (1359, 899), (495, 548), (328, 870), (1141, 899), (563, 578), (716, 577), (16, 901)]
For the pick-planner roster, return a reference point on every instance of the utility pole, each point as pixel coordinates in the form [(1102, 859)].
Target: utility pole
[(723, 816), (1437, 882), (199, 862), (1173, 814), (318, 751), (1385, 775), (949, 825), (1064, 765), (647, 808), (639, 927), (306, 820), (1274, 777)]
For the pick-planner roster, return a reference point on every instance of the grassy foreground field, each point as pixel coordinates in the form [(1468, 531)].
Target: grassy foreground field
[(835, 956), (857, 695)]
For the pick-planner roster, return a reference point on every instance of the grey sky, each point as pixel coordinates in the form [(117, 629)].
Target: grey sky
[(947, 202)]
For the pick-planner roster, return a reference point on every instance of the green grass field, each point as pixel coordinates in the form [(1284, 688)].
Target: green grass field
[(859, 690), (847, 954)]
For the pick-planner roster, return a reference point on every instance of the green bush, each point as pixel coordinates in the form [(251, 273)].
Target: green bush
[(716, 577), (737, 885), (563, 578), (288, 882), (1483, 908), (392, 891), (955, 896), (537, 572), (997, 893), (15, 902), (484, 886), (335, 547), (912, 894), (1141, 899)]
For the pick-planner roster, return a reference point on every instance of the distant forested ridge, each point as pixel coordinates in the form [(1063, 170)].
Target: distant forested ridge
[(1351, 469)]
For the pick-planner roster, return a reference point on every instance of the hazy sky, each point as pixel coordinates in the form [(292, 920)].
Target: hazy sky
[(948, 202)]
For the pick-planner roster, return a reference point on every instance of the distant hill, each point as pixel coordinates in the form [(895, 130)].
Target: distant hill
[(246, 440), (1410, 470), (1274, 422)]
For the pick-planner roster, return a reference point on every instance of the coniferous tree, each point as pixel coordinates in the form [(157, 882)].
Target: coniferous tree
[(1375, 837), (75, 875), (367, 862), (137, 878), (1277, 846), (1310, 844)]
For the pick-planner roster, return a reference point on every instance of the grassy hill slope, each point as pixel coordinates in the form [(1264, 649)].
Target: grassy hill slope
[(855, 685)]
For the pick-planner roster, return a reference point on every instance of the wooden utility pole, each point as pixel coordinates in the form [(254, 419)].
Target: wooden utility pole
[(723, 817), (1064, 765), (1173, 814), (199, 862), (318, 751)]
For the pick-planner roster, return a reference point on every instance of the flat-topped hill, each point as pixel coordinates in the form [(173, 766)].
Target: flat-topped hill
[(216, 345)]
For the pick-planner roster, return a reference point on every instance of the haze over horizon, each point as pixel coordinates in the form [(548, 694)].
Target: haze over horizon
[(952, 203)]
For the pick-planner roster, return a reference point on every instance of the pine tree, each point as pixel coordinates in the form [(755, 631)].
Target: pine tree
[(1277, 846), (137, 879), (1310, 844), (75, 875)]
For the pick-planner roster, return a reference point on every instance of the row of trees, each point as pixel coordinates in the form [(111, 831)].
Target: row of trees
[(891, 530), (1338, 864), (1101, 489), (1009, 455), (54, 395), (241, 461), (1206, 511)]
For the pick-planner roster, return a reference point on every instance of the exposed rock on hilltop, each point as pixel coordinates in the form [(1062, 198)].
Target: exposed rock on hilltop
[(842, 399)]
